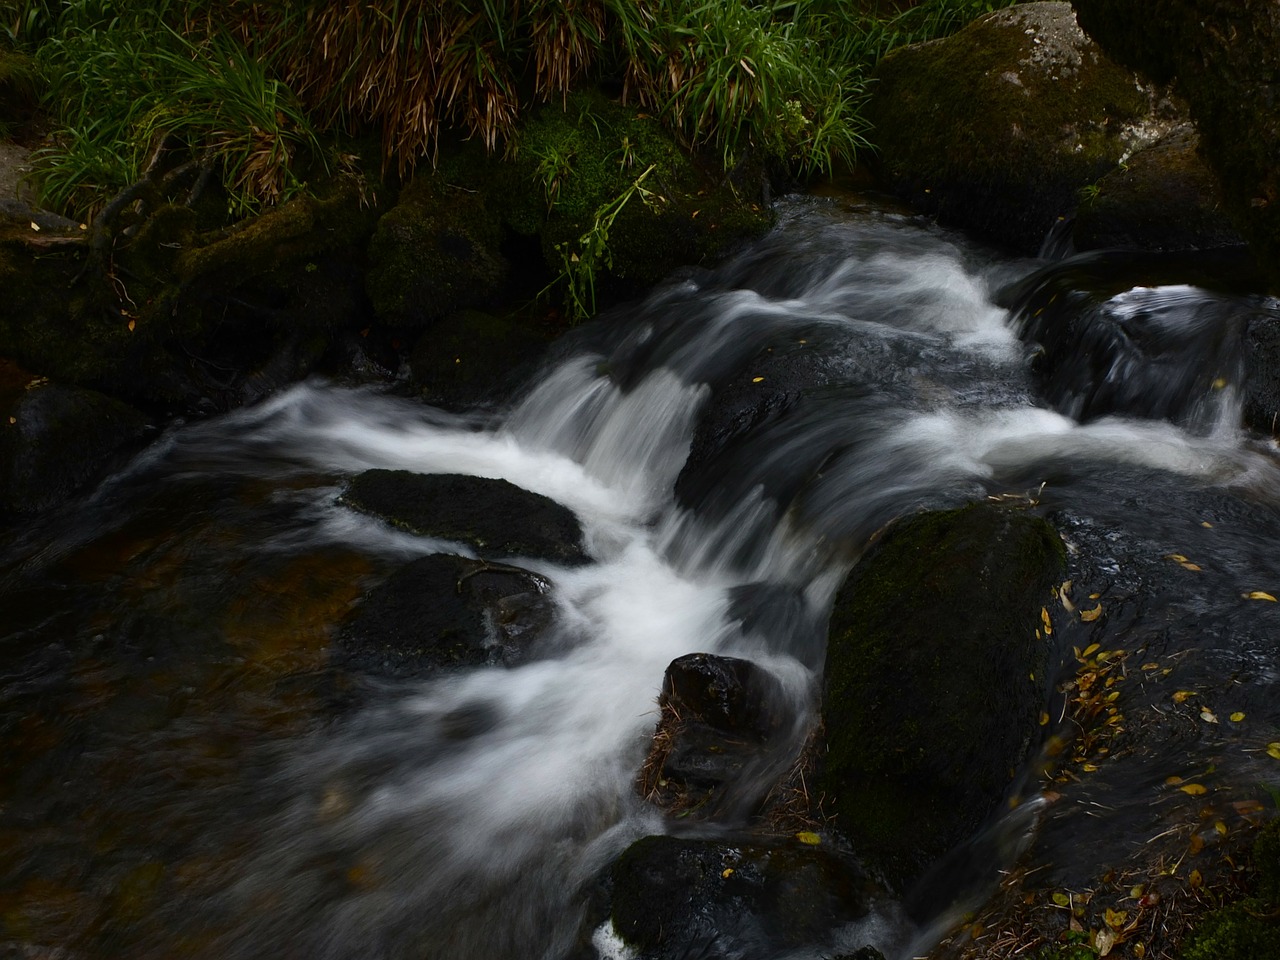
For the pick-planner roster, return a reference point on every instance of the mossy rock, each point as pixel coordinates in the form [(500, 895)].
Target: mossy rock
[(998, 127), (934, 680), (495, 517), (473, 357), (1162, 198), (56, 439), (186, 316), (574, 158), (1224, 58), (437, 251)]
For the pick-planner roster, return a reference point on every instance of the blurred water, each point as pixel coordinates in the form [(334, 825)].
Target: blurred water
[(178, 781)]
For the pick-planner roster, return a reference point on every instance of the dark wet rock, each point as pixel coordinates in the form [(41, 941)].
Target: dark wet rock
[(56, 439), (1262, 371), (999, 126), (1224, 58), (437, 251), (473, 357), (442, 611), (718, 716), (192, 317), (672, 896), (763, 390), (1161, 198), (495, 517), (935, 675), (1109, 343)]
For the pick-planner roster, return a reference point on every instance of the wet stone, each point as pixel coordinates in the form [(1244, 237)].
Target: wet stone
[(495, 517), (718, 718), (673, 896), (442, 611)]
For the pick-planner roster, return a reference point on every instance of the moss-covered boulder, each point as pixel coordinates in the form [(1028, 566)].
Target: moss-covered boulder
[(437, 251), (998, 127), (443, 612), (173, 312), (1223, 56), (673, 897), (495, 517), (56, 439), (472, 357), (935, 677), (575, 159), (1164, 197)]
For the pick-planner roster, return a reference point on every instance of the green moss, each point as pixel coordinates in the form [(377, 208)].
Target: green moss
[(579, 156), (980, 129), (1247, 929), (930, 631)]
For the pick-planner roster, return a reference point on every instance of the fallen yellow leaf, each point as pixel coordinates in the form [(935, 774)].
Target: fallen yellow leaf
[(1189, 566), (1195, 879), (1115, 918), (1088, 616), (1182, 695), (1091, 649), (1061, 899), (1237, 717), (809, 837), (1194, 789), (726, 873), (1273, 750), (1260, 595), (1048, 624), (757, 379), (1104, 940), (1221, 828), (1175, 557), (1044, 718)]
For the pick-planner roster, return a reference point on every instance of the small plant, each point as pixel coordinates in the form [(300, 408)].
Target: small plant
[(581, 261)]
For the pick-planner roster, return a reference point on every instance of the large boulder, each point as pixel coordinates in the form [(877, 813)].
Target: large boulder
[(1223, 56), (495, 517), (1163, 198), (935, 676), (998, 127)]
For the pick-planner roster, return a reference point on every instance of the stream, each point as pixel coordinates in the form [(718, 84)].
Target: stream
[(183, 773)]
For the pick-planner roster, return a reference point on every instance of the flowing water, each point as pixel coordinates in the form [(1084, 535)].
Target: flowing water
[(186, 775)]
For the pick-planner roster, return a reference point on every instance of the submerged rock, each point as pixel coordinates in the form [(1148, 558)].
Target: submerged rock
[(935, 675), (56, 439), (718, 715), (443, 611), (495, 517), (673, 896), (1262, 371), (999, 126)]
